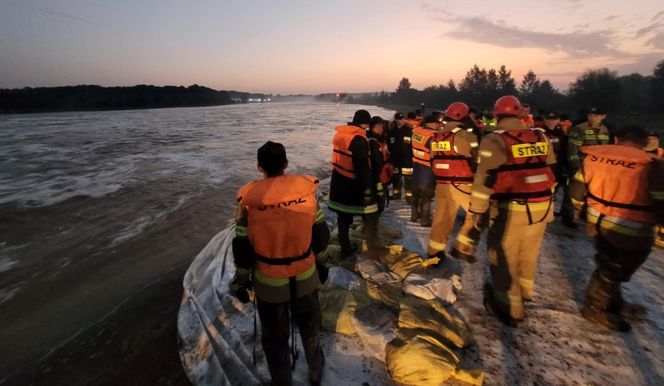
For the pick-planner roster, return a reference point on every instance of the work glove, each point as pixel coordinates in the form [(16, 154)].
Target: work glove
[(241, 285), (323, 272)]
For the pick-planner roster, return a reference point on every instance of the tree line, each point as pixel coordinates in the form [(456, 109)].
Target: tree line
[(92, 97), (630, 94)]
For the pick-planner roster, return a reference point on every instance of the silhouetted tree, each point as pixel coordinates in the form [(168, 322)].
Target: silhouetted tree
[(656, 88), (597, 87)]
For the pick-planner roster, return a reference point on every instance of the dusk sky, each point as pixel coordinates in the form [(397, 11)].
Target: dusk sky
[(319, 46)]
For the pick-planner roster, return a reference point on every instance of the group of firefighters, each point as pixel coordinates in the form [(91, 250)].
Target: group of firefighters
[(502, 169)]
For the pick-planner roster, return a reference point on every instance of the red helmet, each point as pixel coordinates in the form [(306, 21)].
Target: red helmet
[(457, 111), (508, 105)]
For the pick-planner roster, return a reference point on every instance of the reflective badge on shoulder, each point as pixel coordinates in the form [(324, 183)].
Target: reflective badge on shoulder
[(530, 149), (590, 132), (441, 146), (417, 137)]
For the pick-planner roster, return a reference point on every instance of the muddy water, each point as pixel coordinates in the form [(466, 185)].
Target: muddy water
[(95, 207)]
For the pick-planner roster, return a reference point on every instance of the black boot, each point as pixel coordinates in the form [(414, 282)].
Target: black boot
[(490, 306), (462, 256), (611, 321), (570, 223), (425, 213), (316, 371)]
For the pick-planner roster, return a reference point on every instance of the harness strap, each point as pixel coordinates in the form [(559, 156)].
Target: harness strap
[(515, 196), (643, 208), (282, 260)]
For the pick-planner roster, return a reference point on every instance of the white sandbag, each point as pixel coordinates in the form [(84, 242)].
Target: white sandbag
[(376, 272), (343, 278), (432, 288), (375, 325)]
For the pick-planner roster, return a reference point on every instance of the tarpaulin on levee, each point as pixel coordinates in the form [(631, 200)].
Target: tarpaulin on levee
[(387, 316)]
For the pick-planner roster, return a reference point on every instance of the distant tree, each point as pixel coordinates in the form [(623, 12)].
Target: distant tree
[(545, 97), (404, 85), (656, 88), (597, 87), (506, 84), (528, 85), (635, 95), (451, 85)]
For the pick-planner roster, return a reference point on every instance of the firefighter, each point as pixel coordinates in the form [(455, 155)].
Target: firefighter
[(424, 182), (622, 189), (402, 156), (653, 145), (454, 154), (554, 131), (352, 192), (513, 185), (381, 165), (590, 133), (526, 116), (279, 247)]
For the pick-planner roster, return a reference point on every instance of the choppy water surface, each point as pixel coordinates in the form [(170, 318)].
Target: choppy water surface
[(95, 205)]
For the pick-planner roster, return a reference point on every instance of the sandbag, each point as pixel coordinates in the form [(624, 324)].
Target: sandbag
[(375, 272), (416, 313), (388, 293), (416, 358), (375, 325), (403, 262), (343, 278), (337, 307), (429, 287)]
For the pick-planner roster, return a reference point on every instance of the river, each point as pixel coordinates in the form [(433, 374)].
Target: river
[(97, 207)]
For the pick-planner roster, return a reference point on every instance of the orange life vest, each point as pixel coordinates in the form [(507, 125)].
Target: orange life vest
[(528, 121), (660, 152), (525, 176), (617, 181), (450, 167), (413, 123), (388, 169), (566, 124), (281, 211), (422, 153), (342, 157)]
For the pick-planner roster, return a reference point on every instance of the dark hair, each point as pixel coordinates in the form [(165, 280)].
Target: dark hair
[(411, 115), (272, 158), (375, 121), (362, 117), (633, 133)]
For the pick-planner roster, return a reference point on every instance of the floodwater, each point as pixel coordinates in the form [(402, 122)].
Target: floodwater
[(97, 206)]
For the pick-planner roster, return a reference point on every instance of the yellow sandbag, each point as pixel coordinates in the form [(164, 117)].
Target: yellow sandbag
[(388, 293), (405, 262), (416, 313), (416, 358), (472, 377), (337, 307)]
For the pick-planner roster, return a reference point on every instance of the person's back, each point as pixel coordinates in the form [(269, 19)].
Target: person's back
[(424, 181), (621, 188), (352, 192), (281, 242)]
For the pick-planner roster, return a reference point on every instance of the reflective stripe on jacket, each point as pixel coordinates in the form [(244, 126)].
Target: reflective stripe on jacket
[(421, 147), (448, 165)]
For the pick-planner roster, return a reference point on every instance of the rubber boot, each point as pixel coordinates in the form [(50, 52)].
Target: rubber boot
[(425, 213), (626, 309), (316, 371), (490, 306), (611, 321), (344, 236), (414, 210), (599, 295)]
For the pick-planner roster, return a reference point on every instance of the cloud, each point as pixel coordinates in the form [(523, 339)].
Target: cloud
[(480, 30)]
